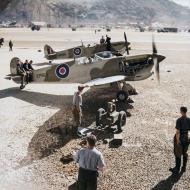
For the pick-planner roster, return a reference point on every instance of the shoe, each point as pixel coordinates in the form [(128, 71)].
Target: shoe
[(183, 169), (119, 130), (175, 171)]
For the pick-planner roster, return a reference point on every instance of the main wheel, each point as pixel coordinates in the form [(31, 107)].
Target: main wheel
[(122, 96), (99, 114), (121, 120), (22, 87)]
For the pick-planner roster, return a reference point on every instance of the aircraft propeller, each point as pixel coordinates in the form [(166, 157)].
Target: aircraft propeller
[(126, 43), (155, 59)]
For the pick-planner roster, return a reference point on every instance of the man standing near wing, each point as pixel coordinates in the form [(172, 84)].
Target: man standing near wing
[(77, 108)]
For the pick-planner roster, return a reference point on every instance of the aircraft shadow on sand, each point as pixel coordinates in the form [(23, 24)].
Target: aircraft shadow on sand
[(37, 98), (55, 132)]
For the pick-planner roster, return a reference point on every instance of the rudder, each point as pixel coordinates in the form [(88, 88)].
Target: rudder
[(48, 51)]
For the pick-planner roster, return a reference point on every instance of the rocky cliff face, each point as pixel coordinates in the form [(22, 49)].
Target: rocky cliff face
[(3, 4), (60, 12)]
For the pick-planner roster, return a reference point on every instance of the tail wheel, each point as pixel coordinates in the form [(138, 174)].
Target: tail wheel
[(99, 114), (121, 120), (122, 96), (22, 87)]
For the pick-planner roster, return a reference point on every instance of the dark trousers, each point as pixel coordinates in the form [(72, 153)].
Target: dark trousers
[(108, 47), (23, 76), (179, 151), (87, 179), (29, 77)]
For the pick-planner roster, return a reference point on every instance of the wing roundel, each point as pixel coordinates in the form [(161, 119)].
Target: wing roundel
[(77, 51), (62, 71)]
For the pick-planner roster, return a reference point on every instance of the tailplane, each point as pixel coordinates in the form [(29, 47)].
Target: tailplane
[(13, 66), (13, 71)]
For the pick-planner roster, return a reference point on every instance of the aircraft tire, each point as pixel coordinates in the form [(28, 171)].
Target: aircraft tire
[(22, 87), (99, 114), (122, 96)]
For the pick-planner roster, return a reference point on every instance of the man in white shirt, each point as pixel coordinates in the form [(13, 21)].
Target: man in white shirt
[(77, 108), (90, 160)]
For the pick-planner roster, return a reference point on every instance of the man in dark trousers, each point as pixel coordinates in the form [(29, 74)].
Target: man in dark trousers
[(10, 45), (30, 65), (30, 70), (1, 42), (21, 72), (181, 141), (25, 66), (108, 43), (90, 160)]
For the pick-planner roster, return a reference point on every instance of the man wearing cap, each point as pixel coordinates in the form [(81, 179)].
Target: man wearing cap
[(108, 43), (90, 161), (77, 108)]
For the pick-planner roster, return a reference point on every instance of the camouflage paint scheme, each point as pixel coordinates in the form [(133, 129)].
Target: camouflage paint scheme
[(133, 68), (50, 54)]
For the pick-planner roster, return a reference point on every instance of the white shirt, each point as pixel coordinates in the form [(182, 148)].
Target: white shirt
[(77, 100), (90, 159)]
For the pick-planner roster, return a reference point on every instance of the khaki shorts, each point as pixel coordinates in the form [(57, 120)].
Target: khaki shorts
[(77, 116)]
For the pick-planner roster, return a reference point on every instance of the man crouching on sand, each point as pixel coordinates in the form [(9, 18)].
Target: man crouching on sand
[(90, 160), (181, 141)]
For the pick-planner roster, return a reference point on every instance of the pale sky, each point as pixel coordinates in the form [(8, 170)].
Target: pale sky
[(183, 2)]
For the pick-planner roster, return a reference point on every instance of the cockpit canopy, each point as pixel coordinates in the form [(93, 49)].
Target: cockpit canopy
[(103, 55)]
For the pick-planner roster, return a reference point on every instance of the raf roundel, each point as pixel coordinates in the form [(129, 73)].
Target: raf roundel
[(77, 51), (62, 71)]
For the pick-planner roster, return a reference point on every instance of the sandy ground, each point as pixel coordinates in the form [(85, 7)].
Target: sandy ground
[(143, 161)]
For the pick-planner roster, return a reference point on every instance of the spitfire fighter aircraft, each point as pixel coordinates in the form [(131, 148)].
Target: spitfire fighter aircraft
[(107, 71), (117, 48)]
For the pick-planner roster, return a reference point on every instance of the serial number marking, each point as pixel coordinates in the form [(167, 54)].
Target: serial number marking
[(42, 75)]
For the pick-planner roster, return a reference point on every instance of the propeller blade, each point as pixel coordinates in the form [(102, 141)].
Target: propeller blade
[(125, 36), (126, 43), (154, 49), (155, 59), (157, 68)]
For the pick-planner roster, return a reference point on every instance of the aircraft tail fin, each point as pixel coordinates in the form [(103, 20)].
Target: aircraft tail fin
[(48, 51), (13, 65)]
